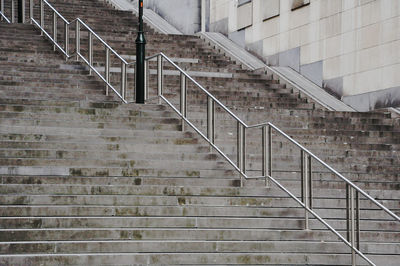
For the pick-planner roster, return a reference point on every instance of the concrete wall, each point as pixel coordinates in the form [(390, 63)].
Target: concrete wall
[(185, 15), (349, 47)]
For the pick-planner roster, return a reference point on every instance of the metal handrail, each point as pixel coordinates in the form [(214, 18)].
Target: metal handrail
[(4, 17), (89, 61), (2, 12), (283, 134), (352, 209), (99, 38), (353, 191)]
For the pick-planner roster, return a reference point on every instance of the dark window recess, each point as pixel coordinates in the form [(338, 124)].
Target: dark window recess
[(242, 2), (299, 3)]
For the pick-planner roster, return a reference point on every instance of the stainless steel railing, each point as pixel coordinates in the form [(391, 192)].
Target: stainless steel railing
[(3, 12), (65, 47), (353, 192), (3, 17)]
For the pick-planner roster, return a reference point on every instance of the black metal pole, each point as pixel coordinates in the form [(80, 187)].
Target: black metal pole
[(140, 57)]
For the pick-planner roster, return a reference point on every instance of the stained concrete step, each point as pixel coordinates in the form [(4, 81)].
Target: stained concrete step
[(31, 143), (79, 96), (142, 123), (261, 191), (136, 135), (215, 181), (121, 163), (25, 153), (146, 234), (54, 247), (177, 258), (220, 201), (111, 180), (115, 171), (228, 223)]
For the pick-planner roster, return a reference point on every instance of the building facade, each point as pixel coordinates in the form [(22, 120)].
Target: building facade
[(351, 48)]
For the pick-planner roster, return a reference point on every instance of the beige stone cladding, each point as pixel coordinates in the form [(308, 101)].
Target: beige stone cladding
[(356, 42)]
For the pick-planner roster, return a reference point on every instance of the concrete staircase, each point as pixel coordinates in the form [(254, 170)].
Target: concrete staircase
[(86, 180)]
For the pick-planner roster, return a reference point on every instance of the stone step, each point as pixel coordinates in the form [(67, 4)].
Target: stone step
[(79, 96), (119, 163), (227, 223), (126, 246), (187, 258), (215, 181), (114, 171), (32, 152), (194, 234), (132, 200), (185, 211), (141, 123), (24, 139), (64, 113), (68, 137), (121, 149), (261, 191), (112, 180)]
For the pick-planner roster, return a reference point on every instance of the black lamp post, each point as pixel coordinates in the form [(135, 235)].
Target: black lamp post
[(140, 57)]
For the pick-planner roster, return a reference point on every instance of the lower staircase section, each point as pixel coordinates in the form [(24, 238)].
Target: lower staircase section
[(66, 220)]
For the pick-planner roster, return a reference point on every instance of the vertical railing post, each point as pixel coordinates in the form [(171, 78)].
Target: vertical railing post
[(30, 10), (304, 186), (348, 212), (352, 226), (54, 29), (146, 80), (23, 11), (41, 16), (266, 153), (123, 80), (12, 11), (66, 39), (241, 150), (90, 40), (310, 182), (77, 39), (183, 99), (357, 220), (353, 220), (244, 150), (210, 120), (159, 77), (107, 69), (2, 9)]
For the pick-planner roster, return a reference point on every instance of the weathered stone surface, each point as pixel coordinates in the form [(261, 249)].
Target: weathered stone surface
[(85, 180)]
